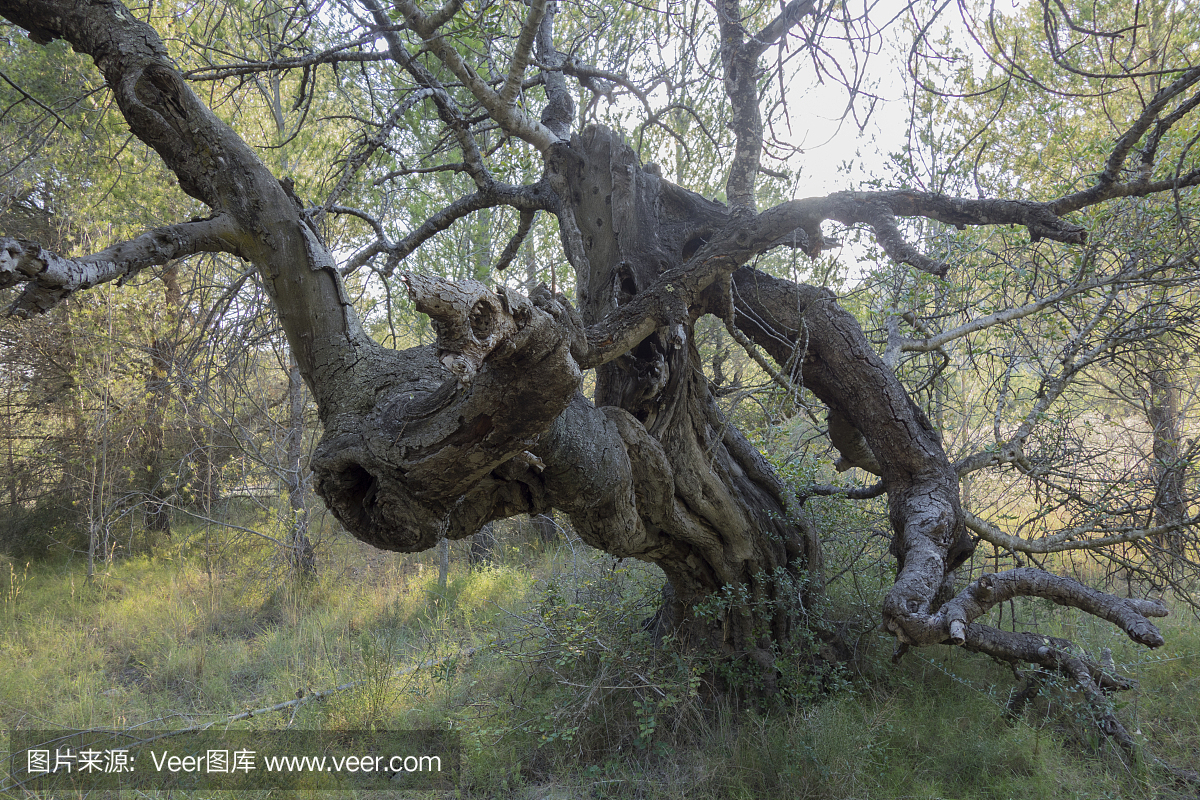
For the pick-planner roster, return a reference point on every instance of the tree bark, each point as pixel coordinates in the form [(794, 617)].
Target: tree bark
[(547, 529), (1169, 464), (721, 519), (840, 367), (483, 546)]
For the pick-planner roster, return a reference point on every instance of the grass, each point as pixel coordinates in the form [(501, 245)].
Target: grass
[(572, 700)]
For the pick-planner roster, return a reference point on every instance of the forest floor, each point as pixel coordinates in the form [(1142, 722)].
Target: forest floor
[(567, 695)]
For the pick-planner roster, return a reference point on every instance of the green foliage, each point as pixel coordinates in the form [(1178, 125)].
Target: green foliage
[(800, 670), (615, 688), (51, 527)]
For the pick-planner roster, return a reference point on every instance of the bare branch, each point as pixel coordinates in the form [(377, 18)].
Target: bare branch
[(890, 238), (447, 109), (1050, 652), (588, 73), (953, 623), (1081, 537), (524, 198), (514, 122), (50, 278), (1107, 179), (368, 148), (777, 28), (739, 57), (558, 115), (34, 100), (396, 173), (521, 56), (514, 244), (878, 210), (751, 350), (1042, 219), (741, 87), (1160, 129), (338, 55), (876, 489), (976, 599), (364, 256), (443, 15), (375, 224), (1075, 287)]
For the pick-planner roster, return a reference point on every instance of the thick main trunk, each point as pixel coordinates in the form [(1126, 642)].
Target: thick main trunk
[(734, 539), (651, 469), (490, 423)]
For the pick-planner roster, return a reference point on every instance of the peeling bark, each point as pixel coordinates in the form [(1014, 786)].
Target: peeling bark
[(49, 278)]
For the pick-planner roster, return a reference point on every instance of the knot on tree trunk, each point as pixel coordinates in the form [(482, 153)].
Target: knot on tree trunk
[(471, 321), (449, 438)]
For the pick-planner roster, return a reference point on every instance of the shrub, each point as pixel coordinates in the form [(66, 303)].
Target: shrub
[(49, 528)]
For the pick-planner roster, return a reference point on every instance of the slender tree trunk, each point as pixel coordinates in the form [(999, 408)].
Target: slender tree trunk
[(483, 546), (1166, 426), (206, 463), (158, 400), (443, 552), (302, 555), (10, 435), (546, 528)]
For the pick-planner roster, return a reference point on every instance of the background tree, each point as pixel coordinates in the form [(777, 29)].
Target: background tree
[(1065, 343)]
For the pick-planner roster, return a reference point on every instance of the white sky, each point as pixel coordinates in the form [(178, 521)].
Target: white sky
[(839, 155), (832, 142)]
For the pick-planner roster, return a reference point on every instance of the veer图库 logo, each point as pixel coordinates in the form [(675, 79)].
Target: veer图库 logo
[(231, 760)]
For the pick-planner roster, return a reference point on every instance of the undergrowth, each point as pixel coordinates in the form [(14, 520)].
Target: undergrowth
[(570, 695)]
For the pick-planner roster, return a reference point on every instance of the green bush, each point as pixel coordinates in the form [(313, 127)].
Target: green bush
[(49, 528)]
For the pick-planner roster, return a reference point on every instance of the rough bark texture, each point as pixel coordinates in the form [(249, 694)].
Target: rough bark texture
[(727, 517), (841, 368)]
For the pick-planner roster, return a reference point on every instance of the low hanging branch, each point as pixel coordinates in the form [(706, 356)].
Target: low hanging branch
[(49, 278), (952, 619)]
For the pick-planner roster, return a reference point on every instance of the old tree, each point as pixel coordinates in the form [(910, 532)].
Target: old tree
[(434, 442)]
